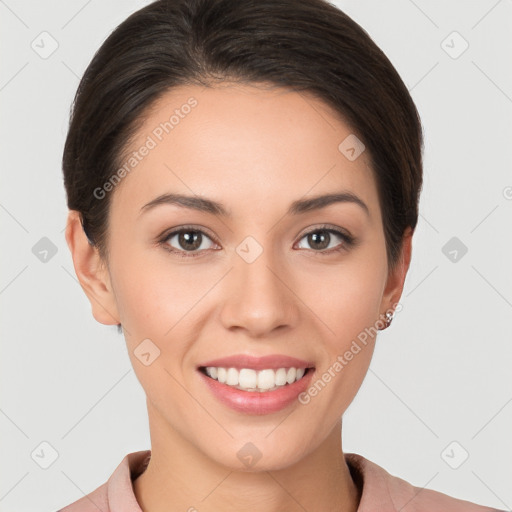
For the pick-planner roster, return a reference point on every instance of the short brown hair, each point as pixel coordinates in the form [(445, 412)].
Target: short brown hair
[(305, 45)]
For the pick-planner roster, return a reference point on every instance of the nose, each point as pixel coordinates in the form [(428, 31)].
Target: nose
[(259, 297)]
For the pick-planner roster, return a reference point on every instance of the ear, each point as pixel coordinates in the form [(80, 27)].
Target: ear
[(92, 272), (396, 277)]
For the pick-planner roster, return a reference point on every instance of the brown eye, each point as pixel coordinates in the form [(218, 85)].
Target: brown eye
[(319, 239), (323, 240), (187, 240)]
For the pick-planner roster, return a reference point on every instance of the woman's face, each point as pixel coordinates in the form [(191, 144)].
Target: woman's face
[(256, 274)]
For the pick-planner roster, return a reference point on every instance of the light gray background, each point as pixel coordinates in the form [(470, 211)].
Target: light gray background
[(440, 373)]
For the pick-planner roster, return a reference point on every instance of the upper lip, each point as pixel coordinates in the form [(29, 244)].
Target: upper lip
[(274, 362)]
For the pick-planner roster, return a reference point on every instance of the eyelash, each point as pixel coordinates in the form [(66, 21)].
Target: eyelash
[(348, 241)]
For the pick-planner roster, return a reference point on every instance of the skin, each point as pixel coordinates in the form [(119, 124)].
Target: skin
[(255, 150)]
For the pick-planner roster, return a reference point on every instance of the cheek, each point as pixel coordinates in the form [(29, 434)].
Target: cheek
[(160, 300), (347, 297), (348, 307), (153, 299)]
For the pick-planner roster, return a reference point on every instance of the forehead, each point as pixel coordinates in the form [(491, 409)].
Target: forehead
[(253, 142)]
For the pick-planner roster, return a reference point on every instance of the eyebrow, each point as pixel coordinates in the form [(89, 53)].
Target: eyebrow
[(296, 208)]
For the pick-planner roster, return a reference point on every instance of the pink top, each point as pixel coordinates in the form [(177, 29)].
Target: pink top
[(381, 491)]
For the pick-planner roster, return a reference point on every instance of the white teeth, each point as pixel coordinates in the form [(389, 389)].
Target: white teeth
[(290, 375), (232, 377), (221, 374), (266, 379), (281, 377), (248, 379)]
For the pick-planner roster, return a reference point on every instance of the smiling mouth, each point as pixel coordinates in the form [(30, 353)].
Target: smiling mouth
[(248, 379)]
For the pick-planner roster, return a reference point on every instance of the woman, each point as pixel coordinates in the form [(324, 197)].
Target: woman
[(243, 182)]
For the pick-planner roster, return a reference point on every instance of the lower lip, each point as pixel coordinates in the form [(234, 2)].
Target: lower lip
[(255, 402)]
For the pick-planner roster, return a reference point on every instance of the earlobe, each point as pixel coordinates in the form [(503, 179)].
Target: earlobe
[(91, 271)]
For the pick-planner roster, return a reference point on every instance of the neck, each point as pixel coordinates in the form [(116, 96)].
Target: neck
[(179, 478)]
